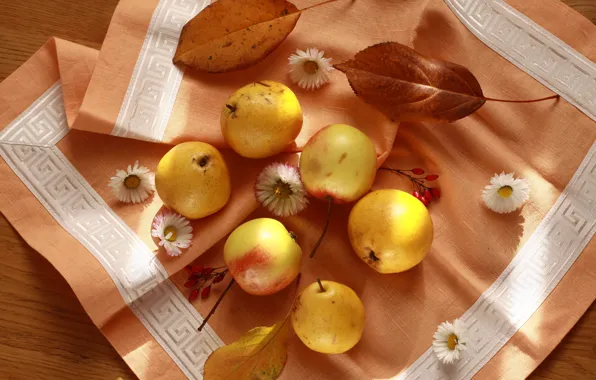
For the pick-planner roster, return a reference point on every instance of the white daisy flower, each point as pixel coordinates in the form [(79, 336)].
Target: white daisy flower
[(280, 190), (310, 69), (505, 193), (134, 185), (449, 340), (173, 231)]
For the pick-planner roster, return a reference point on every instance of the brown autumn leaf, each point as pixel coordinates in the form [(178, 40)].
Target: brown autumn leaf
[(233, 34), (259, 354), (407, 86)]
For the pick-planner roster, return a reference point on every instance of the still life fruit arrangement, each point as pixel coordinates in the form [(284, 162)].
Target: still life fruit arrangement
[(337, 167)]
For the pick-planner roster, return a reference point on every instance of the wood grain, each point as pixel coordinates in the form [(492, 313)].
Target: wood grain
[(44, 331)]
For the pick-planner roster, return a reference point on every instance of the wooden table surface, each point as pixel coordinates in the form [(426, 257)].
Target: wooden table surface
[(44, 331)]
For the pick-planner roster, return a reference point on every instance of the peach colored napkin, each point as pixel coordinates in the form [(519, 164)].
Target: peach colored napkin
[(69, 118)]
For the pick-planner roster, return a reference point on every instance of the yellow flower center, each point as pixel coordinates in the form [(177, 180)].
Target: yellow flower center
[(132, 182), (311, 67), (282, 189), (452, 342), (505, 191), (170, 230)]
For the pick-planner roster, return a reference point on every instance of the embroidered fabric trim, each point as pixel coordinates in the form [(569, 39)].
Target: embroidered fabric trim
[(155, 80), (27, 146), (570, 224), (526, 282), (531, 48)]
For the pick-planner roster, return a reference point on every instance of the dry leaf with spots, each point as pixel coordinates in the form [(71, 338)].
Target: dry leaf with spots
[(260, 354), (233, 34), (407, 86)]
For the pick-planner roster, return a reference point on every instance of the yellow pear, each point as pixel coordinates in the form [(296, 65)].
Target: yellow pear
[(390, 230), (328, 317), (261, 119), (192, 179), (262, 256), (338, 162)]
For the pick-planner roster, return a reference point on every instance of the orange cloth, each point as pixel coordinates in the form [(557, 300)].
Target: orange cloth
[(543, 142)]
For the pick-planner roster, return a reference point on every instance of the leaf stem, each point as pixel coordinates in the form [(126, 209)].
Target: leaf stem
[(522, 101), (314, 250), (316, 5), (216, 305)]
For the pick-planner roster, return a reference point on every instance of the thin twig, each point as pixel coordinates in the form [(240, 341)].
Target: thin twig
[(216, 305), (416, 182), (312, 253)]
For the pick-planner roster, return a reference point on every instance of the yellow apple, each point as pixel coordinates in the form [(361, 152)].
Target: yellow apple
[(328, 317), (261, 119), (338, 162), (390, 230), (262, 256), (193, 179)]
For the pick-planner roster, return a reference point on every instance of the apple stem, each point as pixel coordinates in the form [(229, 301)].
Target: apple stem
[(314, 250), (216, 305), (320, 285), (522, 101)]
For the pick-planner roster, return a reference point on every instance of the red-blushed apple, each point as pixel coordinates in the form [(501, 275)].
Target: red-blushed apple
[(262, 256)]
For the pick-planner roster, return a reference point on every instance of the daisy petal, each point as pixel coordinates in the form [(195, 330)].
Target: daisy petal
[(505, 193), (301, 68), (179, 233), (449, 340), (280, 190)]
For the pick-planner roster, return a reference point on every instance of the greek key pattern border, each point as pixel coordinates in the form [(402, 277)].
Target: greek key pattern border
[(155, 80), (526, 282), (27, 146), (531, 48), (40, 125), (570, 224)]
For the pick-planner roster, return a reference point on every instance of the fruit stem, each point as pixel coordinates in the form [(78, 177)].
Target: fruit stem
[(522, 101), (216, 305), (231, 108), (314, 250), (320, 285)]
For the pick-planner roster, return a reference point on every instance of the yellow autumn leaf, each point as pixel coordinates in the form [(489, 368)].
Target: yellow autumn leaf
[(260, 354), (233, 34)]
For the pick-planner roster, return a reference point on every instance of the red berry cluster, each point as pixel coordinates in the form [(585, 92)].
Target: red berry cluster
[(422, 191), (201, 278)]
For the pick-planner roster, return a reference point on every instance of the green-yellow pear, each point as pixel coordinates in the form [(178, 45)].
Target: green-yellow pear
[(390, 230), (339, 162), (262, 256), (261, 119), (328, 317), (193, 179)]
